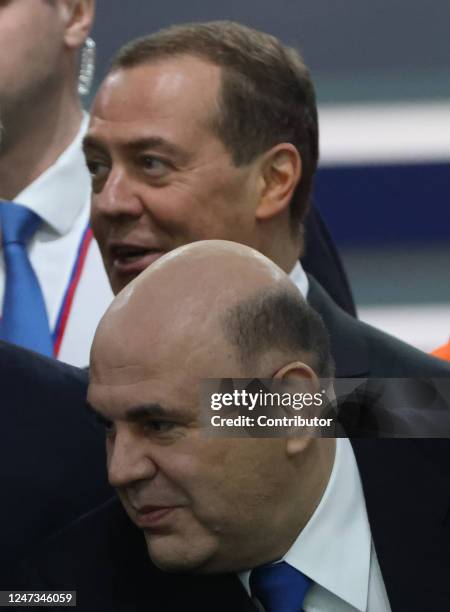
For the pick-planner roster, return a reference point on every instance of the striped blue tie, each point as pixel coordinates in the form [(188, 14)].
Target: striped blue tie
[(24, 319), (279, 587)]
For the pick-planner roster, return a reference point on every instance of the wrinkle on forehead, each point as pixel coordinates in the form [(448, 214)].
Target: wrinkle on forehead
[(112, 365)]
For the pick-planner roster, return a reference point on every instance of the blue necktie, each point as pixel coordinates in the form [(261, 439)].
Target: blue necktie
[(24, 320), (279, 587)]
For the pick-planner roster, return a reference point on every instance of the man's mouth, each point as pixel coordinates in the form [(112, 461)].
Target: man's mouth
[(133, 258), (152, 516)]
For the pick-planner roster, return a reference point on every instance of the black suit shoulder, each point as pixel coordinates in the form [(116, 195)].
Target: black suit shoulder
[(19, 365), (52, 460), (87, 557), (391, 358), (362, 350)]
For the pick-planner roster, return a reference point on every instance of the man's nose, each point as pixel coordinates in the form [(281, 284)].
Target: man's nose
[(128, 461), (119, 196)]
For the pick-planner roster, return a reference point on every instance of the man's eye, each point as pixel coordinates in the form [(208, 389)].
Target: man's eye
[(109, 428), (107, 425), (158, 426), (99, 172), (96, 168), (154, 166)]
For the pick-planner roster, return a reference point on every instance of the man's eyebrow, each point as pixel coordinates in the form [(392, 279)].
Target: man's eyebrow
[(154, 142), (139, 413), (139, 144), (89, 142), (149, 411), (98, 416)]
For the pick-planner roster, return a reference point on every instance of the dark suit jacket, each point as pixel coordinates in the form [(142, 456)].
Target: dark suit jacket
[(360, 350), (322, 260), (407, 491), (382, 408), (52, 464)]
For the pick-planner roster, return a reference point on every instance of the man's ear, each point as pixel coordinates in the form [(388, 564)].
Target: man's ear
[(281, 172), (77, 17), (302, 374)]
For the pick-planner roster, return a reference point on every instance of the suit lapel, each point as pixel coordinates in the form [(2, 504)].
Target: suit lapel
[(348, 346)]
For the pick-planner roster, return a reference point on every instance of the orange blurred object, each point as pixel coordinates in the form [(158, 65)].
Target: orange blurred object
[(443, 352)]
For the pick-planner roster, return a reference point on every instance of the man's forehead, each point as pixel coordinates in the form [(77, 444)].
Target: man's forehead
[(126, 355), (162, 87), (156, 392), (125, 368)]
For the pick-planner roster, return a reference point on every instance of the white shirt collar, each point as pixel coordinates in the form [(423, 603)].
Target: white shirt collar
[(299, 278), (335, 546), (59, 194)]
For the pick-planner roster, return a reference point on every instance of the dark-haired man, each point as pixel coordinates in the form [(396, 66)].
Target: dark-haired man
[(210, 131), (308, 523)]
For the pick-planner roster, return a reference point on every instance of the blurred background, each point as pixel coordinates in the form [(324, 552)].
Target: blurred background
[(382, 72)]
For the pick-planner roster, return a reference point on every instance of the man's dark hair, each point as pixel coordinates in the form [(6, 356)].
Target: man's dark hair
[(278, 320), (267, 95)]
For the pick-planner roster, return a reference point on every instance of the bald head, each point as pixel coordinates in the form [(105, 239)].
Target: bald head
[(216, 294)]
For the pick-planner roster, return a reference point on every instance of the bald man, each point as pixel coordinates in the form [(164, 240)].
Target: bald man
[(226, 509)]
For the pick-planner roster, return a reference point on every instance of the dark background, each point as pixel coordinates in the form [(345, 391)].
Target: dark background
[(357, 49)]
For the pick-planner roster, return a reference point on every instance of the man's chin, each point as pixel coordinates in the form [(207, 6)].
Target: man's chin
[(172, 556)]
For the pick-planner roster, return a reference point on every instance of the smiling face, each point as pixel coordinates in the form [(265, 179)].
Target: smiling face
[(206, 505), (161, 176)]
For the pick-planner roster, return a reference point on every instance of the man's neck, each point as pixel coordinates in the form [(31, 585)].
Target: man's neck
[(280, 244), (34, 137), (310, 480), (317, 466)]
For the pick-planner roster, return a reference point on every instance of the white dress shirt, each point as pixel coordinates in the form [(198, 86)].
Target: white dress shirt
[(335, 549), (61, 197), (299, 278)]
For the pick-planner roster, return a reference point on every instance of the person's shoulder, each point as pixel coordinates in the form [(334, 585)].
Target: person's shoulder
[(17, 363), (82, 557), (391, 357), (358, 348), (96, 529)]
